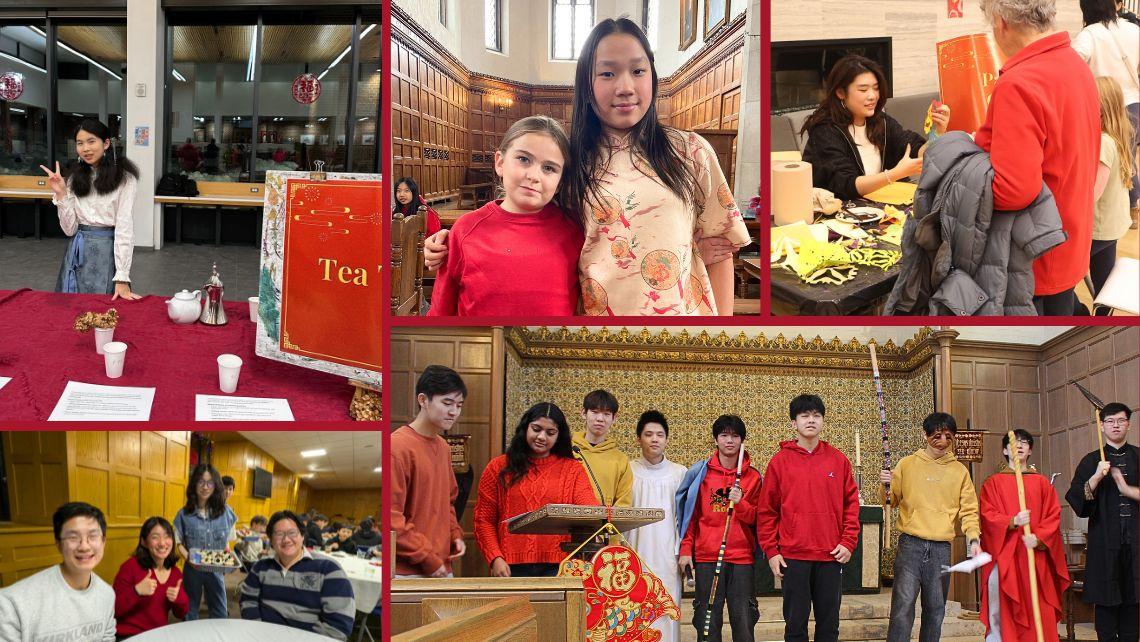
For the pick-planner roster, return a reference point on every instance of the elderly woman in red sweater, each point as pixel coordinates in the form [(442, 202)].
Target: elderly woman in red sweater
[(1043, 125), (538, 469), (148, 585)]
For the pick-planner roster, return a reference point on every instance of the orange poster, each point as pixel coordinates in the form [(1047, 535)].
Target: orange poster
[(330, 292), (967, 70)]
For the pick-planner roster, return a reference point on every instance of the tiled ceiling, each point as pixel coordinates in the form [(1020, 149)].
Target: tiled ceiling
[(350, 462)]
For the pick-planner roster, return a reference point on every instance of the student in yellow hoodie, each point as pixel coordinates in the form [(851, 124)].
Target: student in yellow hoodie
[(936, 500), (606, 466)]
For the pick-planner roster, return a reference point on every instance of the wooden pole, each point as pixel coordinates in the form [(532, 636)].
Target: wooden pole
[(1032, 561), (723, 545)]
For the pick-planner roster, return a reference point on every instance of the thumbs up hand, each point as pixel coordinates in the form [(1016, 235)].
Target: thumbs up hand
[(148, 584), (172, 591)]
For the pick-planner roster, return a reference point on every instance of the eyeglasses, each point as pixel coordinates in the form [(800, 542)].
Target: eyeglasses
[(280, 535), (205, 483), (74, 540), (1114, 422)]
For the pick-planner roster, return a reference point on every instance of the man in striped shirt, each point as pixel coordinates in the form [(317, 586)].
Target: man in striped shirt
[(295, 589)]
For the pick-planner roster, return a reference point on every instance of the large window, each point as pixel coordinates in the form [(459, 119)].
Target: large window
[(24, 99), (649, 15), (493, 25), (570, 23), (211, 101), (91, 71), (273, 90)]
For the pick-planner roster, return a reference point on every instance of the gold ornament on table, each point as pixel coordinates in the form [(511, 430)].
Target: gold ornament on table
[(365, 404), (103, 320)]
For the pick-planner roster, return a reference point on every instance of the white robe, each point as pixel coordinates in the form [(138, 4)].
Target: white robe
[(655, 486)]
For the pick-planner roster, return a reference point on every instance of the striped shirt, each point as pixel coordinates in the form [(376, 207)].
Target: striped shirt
[(313, 595)]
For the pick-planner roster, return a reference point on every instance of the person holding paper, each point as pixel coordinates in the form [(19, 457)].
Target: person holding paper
[(655, 483), (1006, 607), (935, 497), (204, 523), (148, 586), (66, 601), (537, 469), (1112, 510), (1034, 133), (424, 489), (854, 147), (807, 523), (605, 465)]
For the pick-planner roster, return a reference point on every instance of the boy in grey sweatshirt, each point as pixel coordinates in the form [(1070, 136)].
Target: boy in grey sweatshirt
[(66, 602)]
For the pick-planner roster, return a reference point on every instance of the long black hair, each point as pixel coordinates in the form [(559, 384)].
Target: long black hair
[(142, 553), (216, 504), (832, 110), (518, 452), (112, 168), (649, 139), (413, 206), (1094, 11)]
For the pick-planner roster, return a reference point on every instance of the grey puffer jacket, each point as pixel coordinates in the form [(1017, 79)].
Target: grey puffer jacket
[(960, 257)]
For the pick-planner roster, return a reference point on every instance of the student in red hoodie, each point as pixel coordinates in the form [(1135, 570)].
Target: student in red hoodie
[(1035, 132), (148, 585), (807, 522), (702, 504)]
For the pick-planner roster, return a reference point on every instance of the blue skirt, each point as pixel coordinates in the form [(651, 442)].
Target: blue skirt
[(89, 264)]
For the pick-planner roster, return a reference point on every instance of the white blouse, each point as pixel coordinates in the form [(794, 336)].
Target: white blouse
[(1113, 51), (104, 210), (868, 153)]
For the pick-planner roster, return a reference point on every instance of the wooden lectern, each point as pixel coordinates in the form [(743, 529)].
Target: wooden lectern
[(581, 523)]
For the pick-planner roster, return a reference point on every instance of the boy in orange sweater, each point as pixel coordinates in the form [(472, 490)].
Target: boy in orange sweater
[(424, 489)]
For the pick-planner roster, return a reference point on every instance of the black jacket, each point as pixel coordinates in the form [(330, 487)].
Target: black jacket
[(1102, 575), (366, 540), (834, 158)]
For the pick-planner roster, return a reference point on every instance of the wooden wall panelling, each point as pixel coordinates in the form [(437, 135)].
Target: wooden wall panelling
[(476, 353), (356, 503), (238, 459), (1106, 360), (37, 472)]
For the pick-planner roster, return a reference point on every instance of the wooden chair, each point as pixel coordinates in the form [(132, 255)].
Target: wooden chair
[(408, 262), (505, 620), (477, 186)]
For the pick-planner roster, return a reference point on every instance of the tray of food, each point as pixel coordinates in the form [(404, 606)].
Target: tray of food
[(214, 561), (247, 535)]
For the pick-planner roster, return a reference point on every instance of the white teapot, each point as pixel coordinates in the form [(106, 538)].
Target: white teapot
[(184, 307)]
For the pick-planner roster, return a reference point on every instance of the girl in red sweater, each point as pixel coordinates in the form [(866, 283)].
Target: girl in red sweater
[(148, 585), (518, 255), (537, 469)]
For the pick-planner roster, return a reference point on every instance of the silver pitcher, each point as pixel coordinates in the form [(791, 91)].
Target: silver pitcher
[(213, 313)]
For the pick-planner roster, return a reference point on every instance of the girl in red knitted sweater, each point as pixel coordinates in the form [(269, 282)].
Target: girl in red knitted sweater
[(537, 469), (148, 586)]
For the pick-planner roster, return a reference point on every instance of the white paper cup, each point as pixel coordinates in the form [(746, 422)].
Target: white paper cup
[(229, 367), (253, 303), (103, 336), (114, 355)]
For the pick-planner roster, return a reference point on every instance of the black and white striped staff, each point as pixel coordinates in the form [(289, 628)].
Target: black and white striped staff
[(723, 545), (886, 446)]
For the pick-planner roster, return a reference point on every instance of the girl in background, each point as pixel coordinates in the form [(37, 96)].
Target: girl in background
[(1113, 180)]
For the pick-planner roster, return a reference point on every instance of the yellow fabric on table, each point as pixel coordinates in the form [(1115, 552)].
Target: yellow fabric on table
[(893, 194)]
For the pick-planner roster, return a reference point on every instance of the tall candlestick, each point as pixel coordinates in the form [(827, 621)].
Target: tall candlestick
[(858, 450)]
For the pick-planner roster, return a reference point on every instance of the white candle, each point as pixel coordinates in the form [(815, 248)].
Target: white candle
[(858, 451)]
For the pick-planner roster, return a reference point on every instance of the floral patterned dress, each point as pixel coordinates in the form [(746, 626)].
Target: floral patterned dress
[(639, 257)]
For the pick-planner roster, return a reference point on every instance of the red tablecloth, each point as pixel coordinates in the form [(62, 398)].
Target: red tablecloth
[(41, 351)]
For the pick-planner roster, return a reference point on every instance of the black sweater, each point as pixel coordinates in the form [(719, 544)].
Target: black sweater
[(834, 158)]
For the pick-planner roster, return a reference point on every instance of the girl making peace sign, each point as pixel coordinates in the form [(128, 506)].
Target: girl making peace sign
[(94, 203)]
